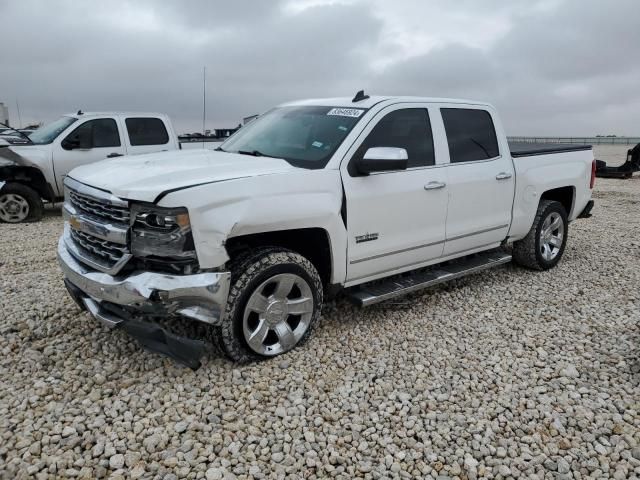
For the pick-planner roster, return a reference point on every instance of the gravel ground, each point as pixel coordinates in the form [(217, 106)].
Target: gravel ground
[(506, 374)]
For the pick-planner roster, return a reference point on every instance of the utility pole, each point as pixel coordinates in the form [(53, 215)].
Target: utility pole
[(204, 101), (19, 116)]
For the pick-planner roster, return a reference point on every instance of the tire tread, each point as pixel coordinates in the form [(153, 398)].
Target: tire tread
[(525, 251), (244, 269)]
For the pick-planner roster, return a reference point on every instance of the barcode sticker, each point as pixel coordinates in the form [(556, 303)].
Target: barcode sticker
[(346, 112)]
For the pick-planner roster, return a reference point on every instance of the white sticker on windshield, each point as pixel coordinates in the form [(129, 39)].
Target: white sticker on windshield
[(316, 144), (346, 112)]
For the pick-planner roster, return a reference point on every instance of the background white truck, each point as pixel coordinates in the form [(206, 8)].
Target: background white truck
[(34, 171), (374, 196)]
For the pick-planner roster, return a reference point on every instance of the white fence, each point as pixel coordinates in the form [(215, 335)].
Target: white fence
[(580, 140)]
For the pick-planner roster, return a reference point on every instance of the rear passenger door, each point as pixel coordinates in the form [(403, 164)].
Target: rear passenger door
[(396, 219), (481, 181), (146, 135)]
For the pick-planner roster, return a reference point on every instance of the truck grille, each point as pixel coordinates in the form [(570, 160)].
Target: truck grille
[(99, 209), (98, 226), (106, 253)]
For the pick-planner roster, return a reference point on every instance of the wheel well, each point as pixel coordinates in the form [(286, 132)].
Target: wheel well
[(311, 243), (564, 195), (30, 177)]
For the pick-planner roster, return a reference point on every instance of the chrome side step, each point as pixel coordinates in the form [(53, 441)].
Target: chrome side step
[(379, 291)]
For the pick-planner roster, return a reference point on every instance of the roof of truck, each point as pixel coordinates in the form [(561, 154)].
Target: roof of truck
[(111, 114), (374, 99)]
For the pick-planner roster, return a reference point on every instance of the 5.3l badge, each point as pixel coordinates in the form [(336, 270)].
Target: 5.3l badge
[(367, 237)]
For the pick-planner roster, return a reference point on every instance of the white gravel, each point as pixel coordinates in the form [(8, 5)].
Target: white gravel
[(506, 374)]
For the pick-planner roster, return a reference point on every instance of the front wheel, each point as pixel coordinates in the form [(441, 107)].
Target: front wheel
[(544, 245), (19, 203), (273, 306)]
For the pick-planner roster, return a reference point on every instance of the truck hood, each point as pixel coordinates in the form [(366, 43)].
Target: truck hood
[(147, 177)]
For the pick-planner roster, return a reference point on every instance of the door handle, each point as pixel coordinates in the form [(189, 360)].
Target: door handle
[(434, 185), (114, 155), (503, 176)]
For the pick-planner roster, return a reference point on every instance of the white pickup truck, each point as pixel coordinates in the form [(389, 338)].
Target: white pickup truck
[(376, 197), (34, 171)]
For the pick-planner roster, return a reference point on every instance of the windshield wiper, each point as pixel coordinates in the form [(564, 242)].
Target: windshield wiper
[(19, 133), (254, 153)]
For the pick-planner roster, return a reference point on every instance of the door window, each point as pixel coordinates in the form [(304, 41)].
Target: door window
[(146, 131), (99, 133), (470, 134), (408, 128)]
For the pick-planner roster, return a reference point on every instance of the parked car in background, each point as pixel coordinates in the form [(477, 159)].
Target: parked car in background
[(375, 196), (15, 136), (34, 171)]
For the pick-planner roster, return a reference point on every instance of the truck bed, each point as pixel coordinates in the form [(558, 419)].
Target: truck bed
[(526, 149)]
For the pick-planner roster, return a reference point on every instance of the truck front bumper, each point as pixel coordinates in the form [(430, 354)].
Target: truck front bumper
[(136, 301)]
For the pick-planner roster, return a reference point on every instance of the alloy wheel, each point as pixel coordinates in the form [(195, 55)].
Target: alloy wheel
[(551, 236), (278, 314)]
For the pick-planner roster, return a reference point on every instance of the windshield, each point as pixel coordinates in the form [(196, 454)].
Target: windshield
[(49, 132), (304, 136)]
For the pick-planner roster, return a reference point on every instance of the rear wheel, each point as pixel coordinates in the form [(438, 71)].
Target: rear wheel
[(544, 245), (19, 203), (273, 306)]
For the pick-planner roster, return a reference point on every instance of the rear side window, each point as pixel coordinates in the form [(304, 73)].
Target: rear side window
[(408, 128), (470, 134), (146, 131)]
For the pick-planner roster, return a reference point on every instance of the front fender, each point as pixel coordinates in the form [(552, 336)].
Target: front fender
[(261, 204), (31, 157)]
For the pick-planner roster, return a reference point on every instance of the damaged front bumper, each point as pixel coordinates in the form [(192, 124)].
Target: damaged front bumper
[(130, 301)]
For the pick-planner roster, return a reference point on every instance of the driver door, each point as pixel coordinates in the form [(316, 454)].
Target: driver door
[(94, 140), (396, 220)]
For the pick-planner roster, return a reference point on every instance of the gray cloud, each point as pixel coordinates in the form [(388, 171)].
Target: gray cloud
[(551, 66)]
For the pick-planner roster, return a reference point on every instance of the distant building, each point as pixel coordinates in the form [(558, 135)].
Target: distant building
[(226, 132), (4, 113)]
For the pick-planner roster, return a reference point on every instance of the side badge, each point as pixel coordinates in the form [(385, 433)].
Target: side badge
[(367, 237)]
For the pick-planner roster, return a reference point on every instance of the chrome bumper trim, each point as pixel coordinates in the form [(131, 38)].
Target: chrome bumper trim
[(201, 297), (108, 320)]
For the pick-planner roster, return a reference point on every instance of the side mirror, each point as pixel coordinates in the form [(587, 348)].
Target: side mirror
[(382, 159), (70, 143), (79, 140)]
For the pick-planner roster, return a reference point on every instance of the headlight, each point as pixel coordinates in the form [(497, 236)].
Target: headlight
[(161, 232)]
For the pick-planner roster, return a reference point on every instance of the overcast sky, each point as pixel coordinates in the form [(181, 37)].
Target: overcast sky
[(552, 67)]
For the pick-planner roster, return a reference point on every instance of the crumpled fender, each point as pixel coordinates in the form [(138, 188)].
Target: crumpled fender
[(9, 158), (30, 156), (283, 201)]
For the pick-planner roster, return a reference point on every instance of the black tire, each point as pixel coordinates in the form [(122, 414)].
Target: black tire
[(527, 252), (35, 205), (248, 273)]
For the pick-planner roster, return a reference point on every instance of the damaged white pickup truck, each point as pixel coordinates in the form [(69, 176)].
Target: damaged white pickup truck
[(373, 196), (34, 171)]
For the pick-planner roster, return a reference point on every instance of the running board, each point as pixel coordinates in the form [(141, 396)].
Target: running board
[(372, 293)]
